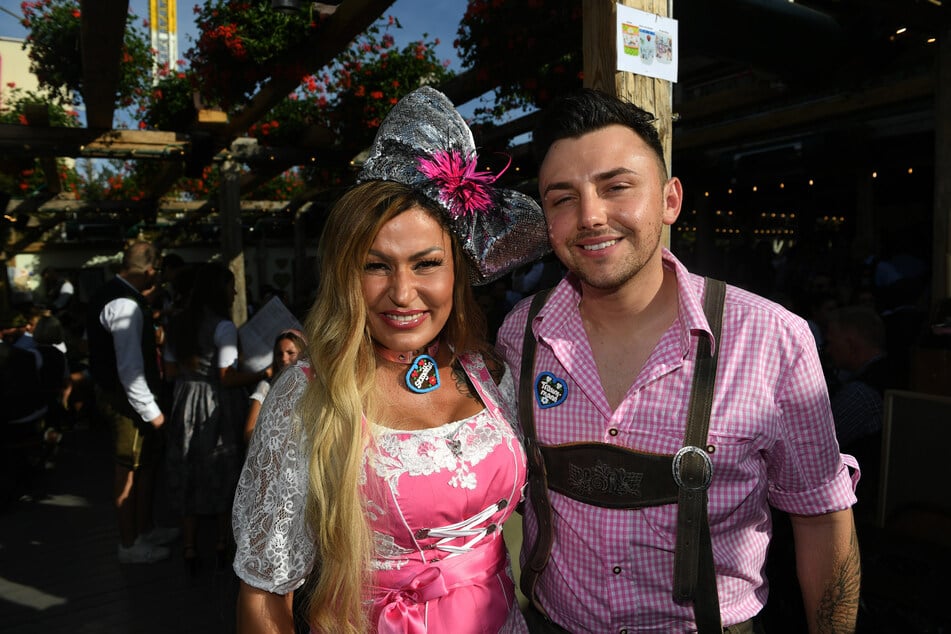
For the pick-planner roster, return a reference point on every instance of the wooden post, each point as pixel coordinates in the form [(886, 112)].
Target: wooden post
[(600, 63), (299, 269), (102, 31), (941, 245), (232, 249)]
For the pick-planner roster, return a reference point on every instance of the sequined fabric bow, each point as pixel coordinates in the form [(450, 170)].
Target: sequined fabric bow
[(424, 143)]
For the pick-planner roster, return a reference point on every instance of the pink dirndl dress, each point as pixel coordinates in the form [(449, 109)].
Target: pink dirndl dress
[(437, 499)]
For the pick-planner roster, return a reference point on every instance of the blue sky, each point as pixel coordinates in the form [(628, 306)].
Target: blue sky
[(438, 18)]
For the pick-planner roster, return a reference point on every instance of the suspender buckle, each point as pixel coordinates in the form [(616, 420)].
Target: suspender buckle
[(691, 480)]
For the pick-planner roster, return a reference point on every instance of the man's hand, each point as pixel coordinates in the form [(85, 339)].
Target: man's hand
[(158, 421)]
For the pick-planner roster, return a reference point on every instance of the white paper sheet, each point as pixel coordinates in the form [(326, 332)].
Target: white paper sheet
[(646, 44), (257, 335)]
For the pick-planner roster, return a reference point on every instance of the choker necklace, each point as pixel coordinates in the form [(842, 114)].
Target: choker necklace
[(423, 373)]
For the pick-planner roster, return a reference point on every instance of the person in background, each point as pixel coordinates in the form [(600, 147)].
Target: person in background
[(652, 527), (857, 349), (384, 465), (50, 338), (59, 291), (21, 417), (209, 407), (25, 340), (288, 347), (125, 372)]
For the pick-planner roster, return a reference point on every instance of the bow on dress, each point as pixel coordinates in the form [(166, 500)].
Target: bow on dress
[(404, 610)]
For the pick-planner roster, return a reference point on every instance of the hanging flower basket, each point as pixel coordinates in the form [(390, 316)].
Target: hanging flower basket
[(55, 52)]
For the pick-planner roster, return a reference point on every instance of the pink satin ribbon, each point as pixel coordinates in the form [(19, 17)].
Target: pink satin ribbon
[(402, 605)]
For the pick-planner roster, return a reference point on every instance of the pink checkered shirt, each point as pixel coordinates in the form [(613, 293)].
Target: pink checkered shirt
[(612, 570)]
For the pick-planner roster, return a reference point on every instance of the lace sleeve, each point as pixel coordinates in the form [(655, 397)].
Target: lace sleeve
[(275, 546)]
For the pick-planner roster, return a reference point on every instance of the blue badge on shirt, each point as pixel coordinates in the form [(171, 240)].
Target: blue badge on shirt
[(550, 390)]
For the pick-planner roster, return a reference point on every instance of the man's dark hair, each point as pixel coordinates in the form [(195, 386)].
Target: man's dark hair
[(577, 113)]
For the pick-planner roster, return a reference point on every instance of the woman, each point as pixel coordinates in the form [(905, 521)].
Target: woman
[(288, 346), (209, 404), (387, 464)]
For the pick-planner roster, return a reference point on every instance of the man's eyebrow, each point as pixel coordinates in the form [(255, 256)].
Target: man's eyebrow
[(603, 176)]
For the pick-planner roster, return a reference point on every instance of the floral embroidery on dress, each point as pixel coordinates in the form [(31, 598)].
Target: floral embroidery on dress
[(454, 447)]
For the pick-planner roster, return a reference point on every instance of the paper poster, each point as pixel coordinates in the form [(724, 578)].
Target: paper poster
[(256, 336), (646, 44)]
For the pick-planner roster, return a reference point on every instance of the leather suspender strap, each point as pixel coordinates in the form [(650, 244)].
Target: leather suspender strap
[(537, 477), (694, 575)]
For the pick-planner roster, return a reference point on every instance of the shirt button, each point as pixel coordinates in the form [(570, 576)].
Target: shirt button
[(613, 432), (622, 631), (617, 570)]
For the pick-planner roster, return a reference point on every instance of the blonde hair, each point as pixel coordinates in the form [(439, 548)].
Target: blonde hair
[(341, 393)]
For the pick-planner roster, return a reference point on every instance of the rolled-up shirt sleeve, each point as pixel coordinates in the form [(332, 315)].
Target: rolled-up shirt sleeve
[(807, 473), (122, 317)]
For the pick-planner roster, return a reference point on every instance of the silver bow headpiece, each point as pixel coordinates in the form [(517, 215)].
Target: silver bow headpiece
[(424, 143)]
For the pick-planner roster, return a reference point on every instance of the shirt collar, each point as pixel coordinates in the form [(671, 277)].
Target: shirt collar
[(691, 320), (129, 284)]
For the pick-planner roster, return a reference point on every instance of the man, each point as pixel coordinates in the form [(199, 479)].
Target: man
[(616, 345), (124, 367)]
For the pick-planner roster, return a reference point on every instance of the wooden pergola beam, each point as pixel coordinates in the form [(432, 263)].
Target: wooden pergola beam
[(62, 205), (349, 20), (38, 115), (102, 31)]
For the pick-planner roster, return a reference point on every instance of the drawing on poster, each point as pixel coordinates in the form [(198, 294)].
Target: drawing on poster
[(632, 39), (643, 39)]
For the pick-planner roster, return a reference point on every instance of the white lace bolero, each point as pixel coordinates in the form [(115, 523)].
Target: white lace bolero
[(275, 545)]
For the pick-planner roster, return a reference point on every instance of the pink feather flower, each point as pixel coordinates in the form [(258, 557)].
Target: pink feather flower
[(463, 191)]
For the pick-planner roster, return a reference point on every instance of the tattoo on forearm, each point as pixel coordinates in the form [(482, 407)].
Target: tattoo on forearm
[(839, 603)]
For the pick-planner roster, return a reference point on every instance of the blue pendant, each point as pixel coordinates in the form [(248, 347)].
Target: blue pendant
[(423, 375)]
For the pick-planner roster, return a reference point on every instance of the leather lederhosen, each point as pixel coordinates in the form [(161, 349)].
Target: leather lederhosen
[(616, 477)]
